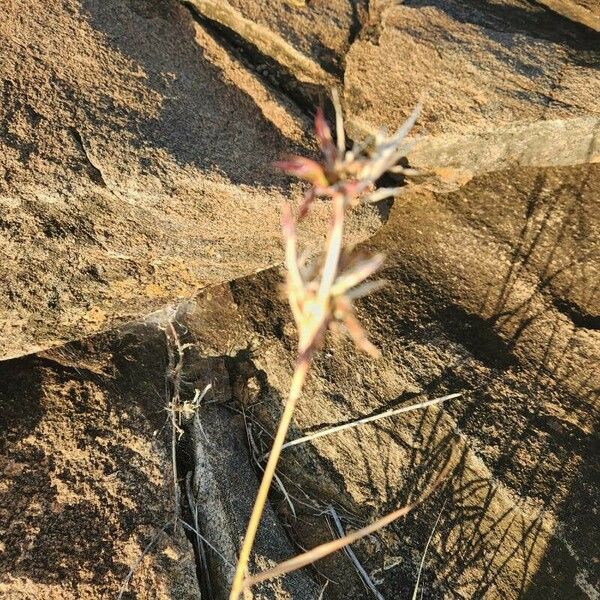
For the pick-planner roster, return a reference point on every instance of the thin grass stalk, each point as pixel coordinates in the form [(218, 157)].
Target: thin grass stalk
[(172, 384), (299, 376), (422, 564), (353, 558), (388, 413), (323, 550), (320, 298)]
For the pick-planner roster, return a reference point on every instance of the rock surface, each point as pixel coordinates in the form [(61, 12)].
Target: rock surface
[(499, 84), (136, 167), (502, 83), (222, 464), (86, 485), (308, 38), (135, 146), (586, 12), (498, 302)]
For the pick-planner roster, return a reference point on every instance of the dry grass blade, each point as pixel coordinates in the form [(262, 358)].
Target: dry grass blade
[(388, 413), (255, 455), (172, 389), (382, 194), (350, 553), (323, 550), (176, 353), (414, 596), (177, 409), (323, 591), (334, 249), (265, 484), (360, 271), (199, 535)]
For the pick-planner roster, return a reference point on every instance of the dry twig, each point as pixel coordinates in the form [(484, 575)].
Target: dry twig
[(323, 550), (388, 413)]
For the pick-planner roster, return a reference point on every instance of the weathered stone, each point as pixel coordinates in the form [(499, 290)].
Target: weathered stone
[(136, 167), (491, 293), (86, 494), (498, 87), (586, 12), (502, 84), (135, 171), (309, 39), (225, 487)]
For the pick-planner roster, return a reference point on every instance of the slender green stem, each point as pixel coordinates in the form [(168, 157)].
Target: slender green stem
[(300, 372)]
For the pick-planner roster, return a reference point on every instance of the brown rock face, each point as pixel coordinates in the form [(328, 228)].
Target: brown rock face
[(136, 167), (86, 491), (586, 12), (309, 38), (496, 299), (136, 142), (502, 83), (499, 85)]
